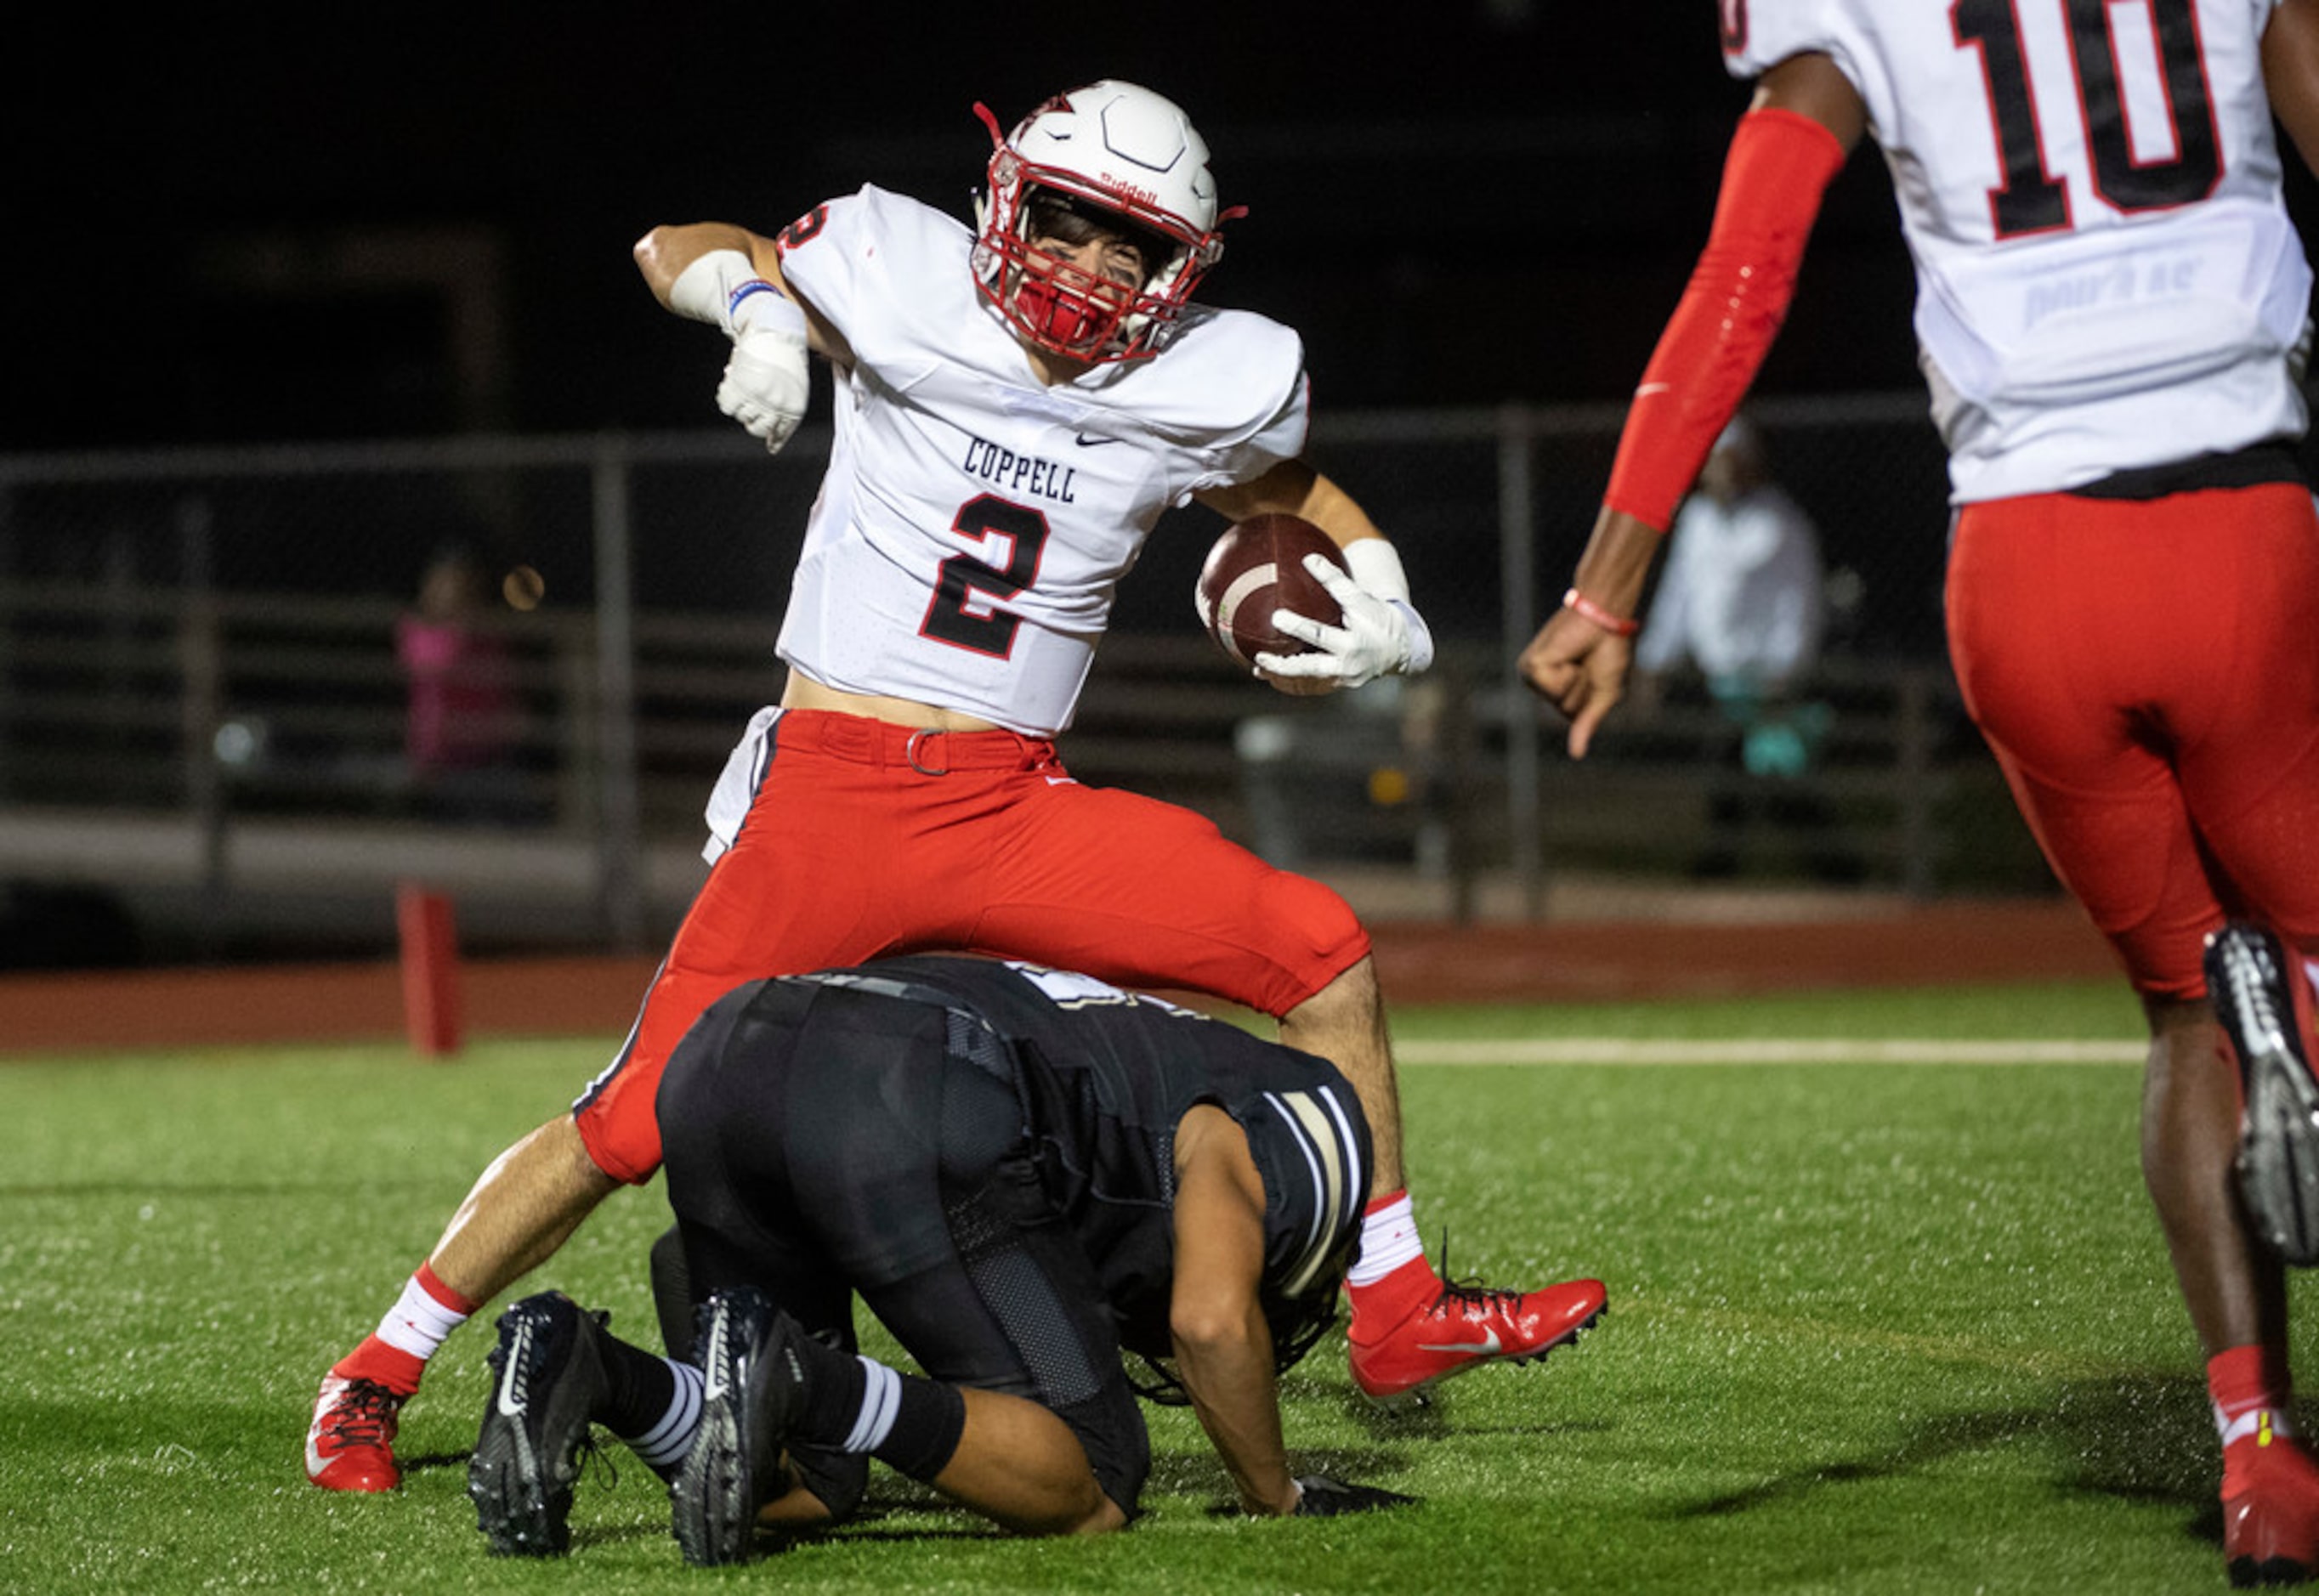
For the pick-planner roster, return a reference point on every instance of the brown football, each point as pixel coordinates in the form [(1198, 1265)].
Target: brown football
[(1256, 568)]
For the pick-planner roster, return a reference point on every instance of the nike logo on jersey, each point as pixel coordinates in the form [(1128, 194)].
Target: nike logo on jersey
[(1648, 389), (1086, 442), (1489, 1345)]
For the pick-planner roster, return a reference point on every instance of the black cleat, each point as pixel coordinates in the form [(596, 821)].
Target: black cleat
[(549, 1380), (2261, 996), (754, 1388)]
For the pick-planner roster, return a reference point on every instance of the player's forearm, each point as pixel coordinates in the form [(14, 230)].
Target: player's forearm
[(1294, 488), (1336, 512), (1616, 564), (667, 253), (663, 254), (1783, 155), (2290, 72), (1232, 1389)]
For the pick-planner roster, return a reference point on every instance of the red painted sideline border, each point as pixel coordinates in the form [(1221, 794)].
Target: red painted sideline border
[(1417, 962), (308, 1002)]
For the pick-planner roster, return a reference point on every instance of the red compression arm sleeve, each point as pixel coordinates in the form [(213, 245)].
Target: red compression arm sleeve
[(1780, 166)]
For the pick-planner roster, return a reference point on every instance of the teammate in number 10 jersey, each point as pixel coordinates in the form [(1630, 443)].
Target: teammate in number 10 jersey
[(1017, 404), (2113, 311)]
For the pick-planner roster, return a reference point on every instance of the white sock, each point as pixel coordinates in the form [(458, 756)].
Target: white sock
[(2252, 1420), (1388, 1240), (664, 1444), (418, 1323)]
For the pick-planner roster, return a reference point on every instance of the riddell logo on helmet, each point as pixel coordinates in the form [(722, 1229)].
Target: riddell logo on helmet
[(1133, 191)]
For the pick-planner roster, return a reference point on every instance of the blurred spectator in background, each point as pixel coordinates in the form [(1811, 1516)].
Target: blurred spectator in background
[(1743, 602), (459, 731)]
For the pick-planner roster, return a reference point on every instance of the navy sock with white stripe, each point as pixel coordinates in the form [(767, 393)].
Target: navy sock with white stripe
[(852, 1404), (909, 1423), (653, 1404)]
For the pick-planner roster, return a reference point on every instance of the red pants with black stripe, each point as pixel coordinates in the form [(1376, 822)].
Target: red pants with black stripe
[(866, 839), (2147, 672)]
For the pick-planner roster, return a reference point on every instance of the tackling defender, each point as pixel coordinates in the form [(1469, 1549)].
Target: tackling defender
[(2113, 310), (1017, 406), (1021, 1171)]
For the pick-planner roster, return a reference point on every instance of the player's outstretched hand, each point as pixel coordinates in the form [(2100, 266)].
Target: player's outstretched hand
[(1321, 1497), (1580, 668), (1376, 637), (766, 383)]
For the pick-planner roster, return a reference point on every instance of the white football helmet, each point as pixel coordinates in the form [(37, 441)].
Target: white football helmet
[(1123, 150)]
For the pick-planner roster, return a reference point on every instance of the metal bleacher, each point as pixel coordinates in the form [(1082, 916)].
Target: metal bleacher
[(202, 720)]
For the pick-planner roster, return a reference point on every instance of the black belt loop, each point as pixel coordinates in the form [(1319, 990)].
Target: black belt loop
[(910, 752)]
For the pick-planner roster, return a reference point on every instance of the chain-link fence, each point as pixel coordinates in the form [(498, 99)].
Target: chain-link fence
[(208, 713)]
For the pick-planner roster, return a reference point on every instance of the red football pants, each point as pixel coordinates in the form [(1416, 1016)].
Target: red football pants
[(854, 849), (2147, 672)]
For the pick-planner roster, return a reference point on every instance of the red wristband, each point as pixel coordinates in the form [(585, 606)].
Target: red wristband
[(1586, 609)]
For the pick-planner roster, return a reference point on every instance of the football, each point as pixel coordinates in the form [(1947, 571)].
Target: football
[(1256, 568)]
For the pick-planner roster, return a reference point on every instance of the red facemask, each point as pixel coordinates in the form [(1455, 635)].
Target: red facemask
[(1065, 307)]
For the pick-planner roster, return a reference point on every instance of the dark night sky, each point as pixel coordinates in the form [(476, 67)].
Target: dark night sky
[(242, 228)]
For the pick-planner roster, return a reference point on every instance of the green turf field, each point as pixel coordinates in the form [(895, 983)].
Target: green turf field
[(1899, 1327)]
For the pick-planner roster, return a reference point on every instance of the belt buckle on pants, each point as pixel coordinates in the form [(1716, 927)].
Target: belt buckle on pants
[(910, 752)]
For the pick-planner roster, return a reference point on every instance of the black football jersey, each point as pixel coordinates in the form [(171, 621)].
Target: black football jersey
[(1103, 1077)]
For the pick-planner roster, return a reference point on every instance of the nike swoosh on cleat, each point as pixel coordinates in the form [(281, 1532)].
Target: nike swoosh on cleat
[(315, 1462), (510, 1401), (1487, 1348)]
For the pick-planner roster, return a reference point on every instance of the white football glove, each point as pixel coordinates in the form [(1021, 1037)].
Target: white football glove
[(767, 380), (1381, 634)]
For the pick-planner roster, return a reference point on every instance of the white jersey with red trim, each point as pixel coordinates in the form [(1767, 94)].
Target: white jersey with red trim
[(2107, 278), (974, 522)]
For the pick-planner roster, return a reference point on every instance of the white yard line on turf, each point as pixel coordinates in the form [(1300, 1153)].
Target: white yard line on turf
[(1767, 1049)]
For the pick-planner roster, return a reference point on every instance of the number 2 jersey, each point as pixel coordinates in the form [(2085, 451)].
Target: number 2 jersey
[(2106, 276), (975, 522)]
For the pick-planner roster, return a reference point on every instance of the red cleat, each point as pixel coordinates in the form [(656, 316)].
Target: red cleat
[(2270, 1507), (350, 1445), (1467, 1326)]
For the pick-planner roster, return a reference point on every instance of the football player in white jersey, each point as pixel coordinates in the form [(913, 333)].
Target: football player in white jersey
[(1017, 404), (2112, 310)]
